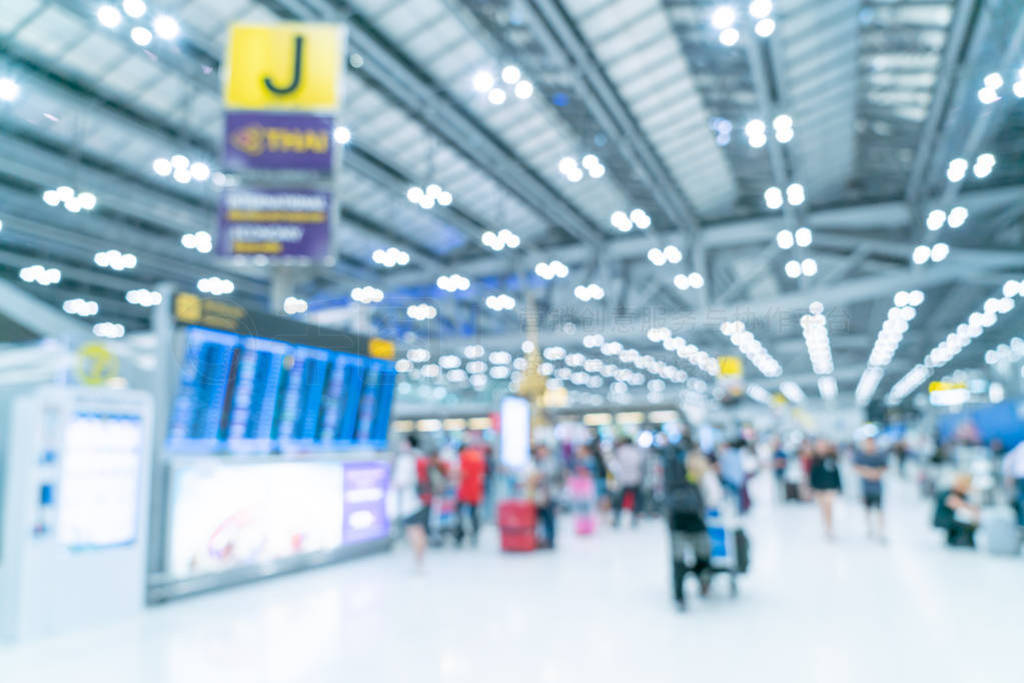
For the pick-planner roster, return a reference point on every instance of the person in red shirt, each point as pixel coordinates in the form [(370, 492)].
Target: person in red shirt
[(472, 475)]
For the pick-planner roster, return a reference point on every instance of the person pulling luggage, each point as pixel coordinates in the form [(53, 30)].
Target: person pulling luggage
[(685, 507)]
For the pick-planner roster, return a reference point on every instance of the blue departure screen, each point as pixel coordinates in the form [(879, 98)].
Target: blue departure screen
[(241, 394)]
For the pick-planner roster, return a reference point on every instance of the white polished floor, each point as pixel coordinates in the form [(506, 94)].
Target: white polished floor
[(595, 610)]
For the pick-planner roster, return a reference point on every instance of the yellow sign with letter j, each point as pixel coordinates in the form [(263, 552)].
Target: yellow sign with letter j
[(287, 66)]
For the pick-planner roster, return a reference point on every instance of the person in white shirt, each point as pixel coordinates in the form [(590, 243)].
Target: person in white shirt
[(629, 463), (1013, 472), (411, 509)]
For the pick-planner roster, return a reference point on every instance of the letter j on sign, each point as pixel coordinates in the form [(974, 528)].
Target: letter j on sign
[(286, 66)]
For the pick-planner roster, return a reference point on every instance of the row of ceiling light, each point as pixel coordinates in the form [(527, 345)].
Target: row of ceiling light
[(688, 352), (73, 201), (724, 19), (794, 196), (183, 170), (957, 340), (164, 26), (624, 222), (815, 330), (574, 170), (897, 322), (993, 83), (983, 166), (497, 93), (756, 131), (744, 340)]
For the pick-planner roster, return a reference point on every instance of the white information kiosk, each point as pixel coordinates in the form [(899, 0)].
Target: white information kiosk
[(73, 521)]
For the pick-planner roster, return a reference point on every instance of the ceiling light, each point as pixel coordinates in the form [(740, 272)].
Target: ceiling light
[(795, 194), (765, 27), (342, 135), (723, 17), (793, 268), (956, 170), (988, 96), (784, 136), (496, 96), (162, 167), (499, 302), (993, 80), (453, 283), (784, 238), (957, 216), (809, 267), (729, 37), (804, 237), (9, 90), (141, 36), (182, 175), (199, 171), (695, 280), (511, 74), (655, 256), (108, 330), (146, 298), (827, 387), (87, 200), (759, 9), (591, 292), (216, 286), (921, 254), (792, 391), (390, 257), (368, 295), (755, 128), (983, 165), (166, 27), (640, 218), (108, 16), (421, 312), (940, 250), (483, 81), (620, 221), (502, 239), (523, 90), (81, 307), (40, 275), (936, 219), (773, 198), (782, 122), (134, 8)]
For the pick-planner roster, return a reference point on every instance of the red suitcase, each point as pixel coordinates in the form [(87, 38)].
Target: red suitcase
[(517, 520)]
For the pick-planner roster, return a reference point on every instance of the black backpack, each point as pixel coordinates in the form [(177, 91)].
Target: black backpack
[(685, 507)]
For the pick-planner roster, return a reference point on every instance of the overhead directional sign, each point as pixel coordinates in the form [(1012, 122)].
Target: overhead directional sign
[(287, 66)]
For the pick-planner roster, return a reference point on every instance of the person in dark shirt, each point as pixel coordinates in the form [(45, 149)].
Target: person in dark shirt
[(956, 514), (871, 466), (825, 481)]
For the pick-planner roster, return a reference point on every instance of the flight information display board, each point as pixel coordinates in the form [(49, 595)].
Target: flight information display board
[(240, 394)]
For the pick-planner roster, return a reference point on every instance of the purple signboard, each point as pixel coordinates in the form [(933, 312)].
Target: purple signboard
[(257, 222), (259, 141), (364, 509)]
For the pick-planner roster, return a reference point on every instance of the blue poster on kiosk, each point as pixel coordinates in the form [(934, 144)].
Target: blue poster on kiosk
[(249, 395)]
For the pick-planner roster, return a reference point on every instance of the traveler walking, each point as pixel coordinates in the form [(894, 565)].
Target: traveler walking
[(871, 466), (825, 482), (629, 464)]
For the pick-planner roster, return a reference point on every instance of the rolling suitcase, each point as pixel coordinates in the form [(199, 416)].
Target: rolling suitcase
[(517, 521), (1002, 534)]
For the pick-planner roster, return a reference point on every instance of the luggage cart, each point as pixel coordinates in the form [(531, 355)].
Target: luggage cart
[(729, 549)]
